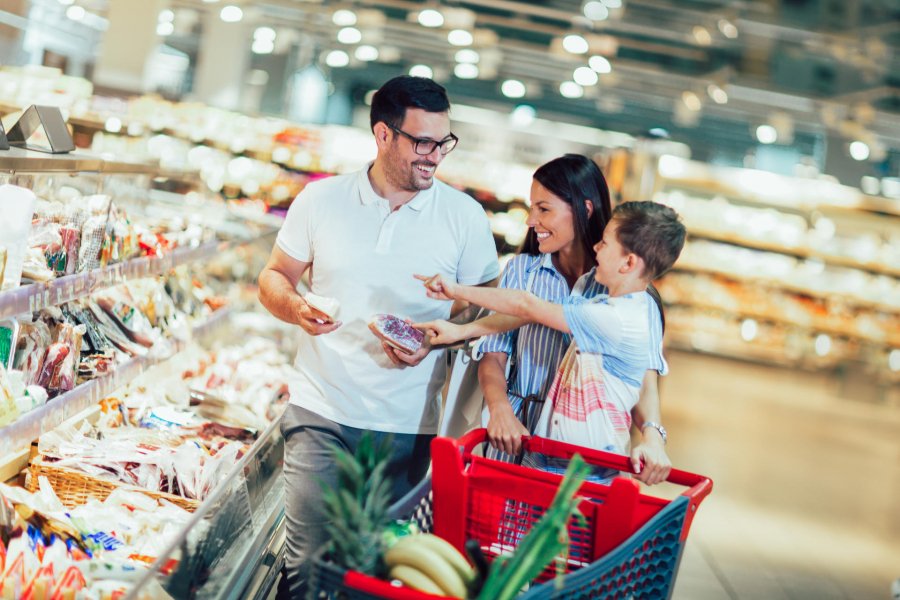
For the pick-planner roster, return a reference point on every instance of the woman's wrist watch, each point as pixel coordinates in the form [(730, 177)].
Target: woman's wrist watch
[(658, 427)]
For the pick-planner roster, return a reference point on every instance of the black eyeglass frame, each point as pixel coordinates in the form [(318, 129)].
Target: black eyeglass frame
[(434, 144)]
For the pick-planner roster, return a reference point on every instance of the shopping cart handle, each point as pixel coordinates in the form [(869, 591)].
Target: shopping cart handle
[(474, 438)]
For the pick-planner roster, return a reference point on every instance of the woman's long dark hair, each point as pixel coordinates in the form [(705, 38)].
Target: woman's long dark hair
[(575, 178)]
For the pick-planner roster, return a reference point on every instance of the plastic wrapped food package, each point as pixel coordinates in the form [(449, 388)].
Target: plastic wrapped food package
[(15, 227)]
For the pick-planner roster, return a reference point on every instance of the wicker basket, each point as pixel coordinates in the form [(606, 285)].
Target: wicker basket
[(74, 487)]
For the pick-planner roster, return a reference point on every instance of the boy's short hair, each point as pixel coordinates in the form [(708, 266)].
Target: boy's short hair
[(651, 230), (390, 102)]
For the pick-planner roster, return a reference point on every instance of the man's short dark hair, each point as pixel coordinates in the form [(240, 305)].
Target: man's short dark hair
[(390, 102), (652, 231)]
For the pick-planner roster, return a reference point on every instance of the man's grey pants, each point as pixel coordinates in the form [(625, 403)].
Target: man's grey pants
[(309, 460)]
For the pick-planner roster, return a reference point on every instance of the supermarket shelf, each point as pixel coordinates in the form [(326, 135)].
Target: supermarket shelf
[(20, 160), (33, 297), (787, 286), (798, 251), (32, 424), (891, 340)]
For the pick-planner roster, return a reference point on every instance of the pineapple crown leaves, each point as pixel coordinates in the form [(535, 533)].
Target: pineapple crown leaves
[(357, 506)]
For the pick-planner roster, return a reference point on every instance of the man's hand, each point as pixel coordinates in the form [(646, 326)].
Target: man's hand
[(505, 431), (437, 288), (441, 332), (652, 452), (315, 322), (405, 359)]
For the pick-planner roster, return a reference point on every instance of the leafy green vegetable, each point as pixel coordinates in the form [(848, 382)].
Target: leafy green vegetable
[(547, 539)]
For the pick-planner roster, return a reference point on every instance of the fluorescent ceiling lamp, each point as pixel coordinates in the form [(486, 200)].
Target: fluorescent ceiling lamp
[(585, 76), (466, 71), (343, 18), (575, 44), (166, 16), (75, 12), (263, 46), (431, 18), (349, 35), (264, 33), (165, 29), (231, 13), (570, 89), (460, 37), (702, 35), (600, 64), (513, 88), (523, 115), (717, 94), (766, 134), (596, 11), (67, 2), (728, 29), (823, 344), (613, 3), (859, 150), (421, 71), (692, 101), (366, 53), (337, 59), (467, 56)]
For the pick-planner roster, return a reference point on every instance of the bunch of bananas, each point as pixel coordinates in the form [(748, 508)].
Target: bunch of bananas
[(429, 564)]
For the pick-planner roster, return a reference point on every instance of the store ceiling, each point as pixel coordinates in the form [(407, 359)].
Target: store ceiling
[(814, 66)]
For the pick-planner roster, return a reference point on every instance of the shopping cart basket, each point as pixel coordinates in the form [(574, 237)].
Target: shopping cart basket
[(628, 545)]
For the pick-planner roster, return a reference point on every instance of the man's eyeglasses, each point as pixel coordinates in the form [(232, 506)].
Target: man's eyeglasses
[(424, 146)]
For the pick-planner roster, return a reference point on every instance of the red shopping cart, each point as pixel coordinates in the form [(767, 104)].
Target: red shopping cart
[(628, 545)]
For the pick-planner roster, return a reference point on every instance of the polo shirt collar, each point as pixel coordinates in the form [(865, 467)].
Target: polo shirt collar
[(545, 261), (368, 195)]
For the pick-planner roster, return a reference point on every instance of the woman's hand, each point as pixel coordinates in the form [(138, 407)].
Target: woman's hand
[(437, 288), (504, 430), (656, 464), (442, 332)]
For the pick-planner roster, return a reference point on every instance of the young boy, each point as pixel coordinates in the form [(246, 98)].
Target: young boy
[(599, 380)]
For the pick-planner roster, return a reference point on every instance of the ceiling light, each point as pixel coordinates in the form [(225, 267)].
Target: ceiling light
[(421, 71), (717, 94), (692, 101), (349, 35), (749, 329), (337, 58), (600, 64), (823, 344), (166, 16), (466, 71), (575, 44), (460, 37), (75, 12), (658, 132), (523, 115), (766, 134), (894, 360), (343, 18), (570, 89), (231, 13), (702, 35), (165, 29), (67, 2), (513, 88), (585, 76), (728, 29), (613, 3), (431, 18), (859, 150), (262, 46), (467, 56), (366, 53), (596, 11), (264, 33), (210, 1)]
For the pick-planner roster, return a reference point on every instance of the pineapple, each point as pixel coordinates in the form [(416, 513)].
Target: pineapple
[(357, 508)]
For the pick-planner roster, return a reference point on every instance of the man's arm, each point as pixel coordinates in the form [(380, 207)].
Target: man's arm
[(651, 449), (278, 293)]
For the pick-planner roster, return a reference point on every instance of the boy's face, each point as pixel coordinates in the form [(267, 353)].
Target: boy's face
[(610, 254)]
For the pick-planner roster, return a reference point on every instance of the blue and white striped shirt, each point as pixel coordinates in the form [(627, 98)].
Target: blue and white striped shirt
[(539, 349)]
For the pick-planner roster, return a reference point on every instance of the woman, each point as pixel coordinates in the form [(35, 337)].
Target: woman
[(570, 207)]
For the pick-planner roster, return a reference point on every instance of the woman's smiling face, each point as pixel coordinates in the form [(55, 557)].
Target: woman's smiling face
[(552, 219)]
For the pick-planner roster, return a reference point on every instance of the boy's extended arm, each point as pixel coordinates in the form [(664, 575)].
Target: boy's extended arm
[(651, 447), (516, 303)]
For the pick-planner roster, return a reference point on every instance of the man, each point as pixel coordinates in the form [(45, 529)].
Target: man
[(362, 236)]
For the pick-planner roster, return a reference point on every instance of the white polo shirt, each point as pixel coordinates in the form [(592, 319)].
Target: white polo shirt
[(365, 256)]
